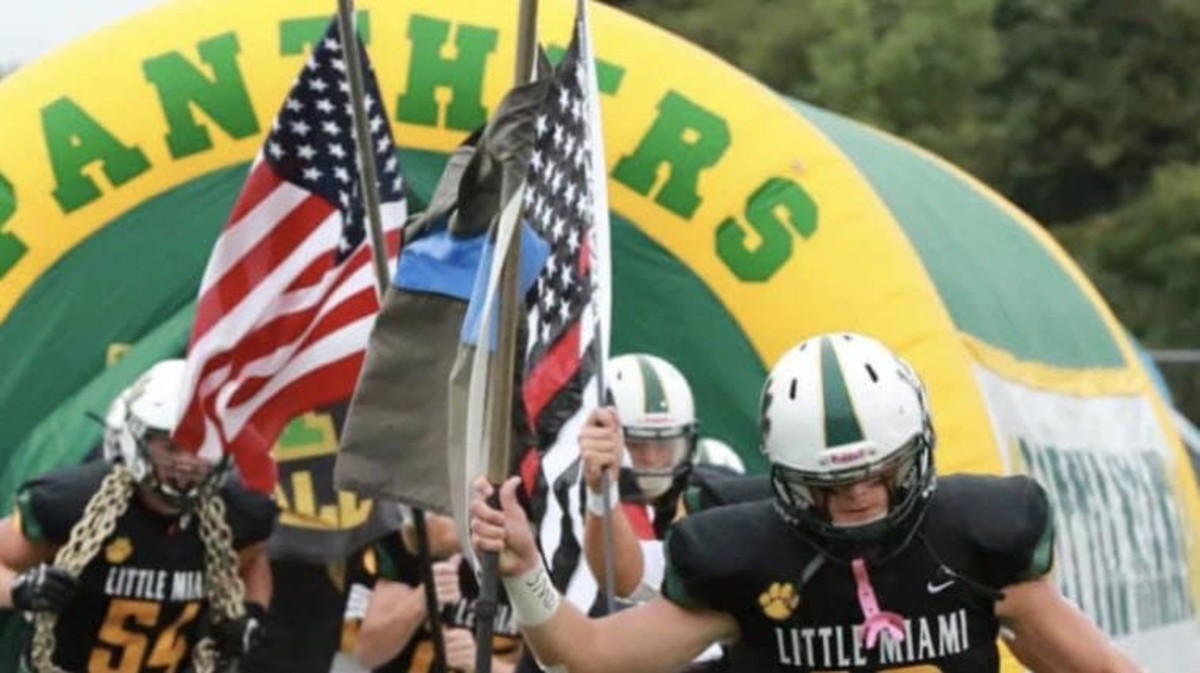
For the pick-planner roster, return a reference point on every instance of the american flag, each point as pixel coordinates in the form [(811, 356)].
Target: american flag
[(565, 202), (289, 295)]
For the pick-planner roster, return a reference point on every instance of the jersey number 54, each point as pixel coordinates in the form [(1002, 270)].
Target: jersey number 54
[(125, 638)]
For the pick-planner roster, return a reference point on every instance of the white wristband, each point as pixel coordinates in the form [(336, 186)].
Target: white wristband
[(595, 501), (532, 595)]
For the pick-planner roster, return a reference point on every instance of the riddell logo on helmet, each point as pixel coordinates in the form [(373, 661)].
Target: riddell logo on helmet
[(851, 456)]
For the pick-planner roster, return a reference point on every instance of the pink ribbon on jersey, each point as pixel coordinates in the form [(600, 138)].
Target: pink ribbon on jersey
[(878, 620)]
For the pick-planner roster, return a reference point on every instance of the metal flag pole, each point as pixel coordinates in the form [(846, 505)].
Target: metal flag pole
[(503, 365), (603, 395), (370, 185), (607, 535)]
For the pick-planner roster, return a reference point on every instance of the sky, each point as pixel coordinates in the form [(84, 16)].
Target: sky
[(33, 29)]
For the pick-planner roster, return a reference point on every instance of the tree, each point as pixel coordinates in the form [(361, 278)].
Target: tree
[(1096, 95), (912, 67), (1145, 257)]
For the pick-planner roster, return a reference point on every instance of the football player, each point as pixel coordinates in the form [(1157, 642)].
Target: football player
[(653, 420), (115, 549), (862, 560), (386, 624)]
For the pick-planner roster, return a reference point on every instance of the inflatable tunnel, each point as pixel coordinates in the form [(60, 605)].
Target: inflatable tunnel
[(742, 223)]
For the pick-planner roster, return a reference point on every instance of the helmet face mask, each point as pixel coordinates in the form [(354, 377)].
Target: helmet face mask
[(176, 477), (658, 418), (842, 409), (805, 496), (658, 462)]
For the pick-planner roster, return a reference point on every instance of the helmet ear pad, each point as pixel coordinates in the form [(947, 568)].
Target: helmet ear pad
[(839, 409)]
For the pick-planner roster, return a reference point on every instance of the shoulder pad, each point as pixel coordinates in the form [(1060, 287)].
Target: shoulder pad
[(251, 514), (712, 488), (48, 506), (1000, 528), (396, 562), (707, 551)]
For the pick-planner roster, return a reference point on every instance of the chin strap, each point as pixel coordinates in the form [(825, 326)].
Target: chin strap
[(877, 621)]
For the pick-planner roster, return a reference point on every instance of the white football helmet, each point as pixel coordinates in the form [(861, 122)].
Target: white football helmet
[(712, 451), (655, 404), (838, 409), (151, 407)]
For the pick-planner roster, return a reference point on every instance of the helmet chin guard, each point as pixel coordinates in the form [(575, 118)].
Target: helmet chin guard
[(185, 499)]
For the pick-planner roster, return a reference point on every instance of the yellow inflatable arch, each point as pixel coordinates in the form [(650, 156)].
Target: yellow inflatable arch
[(742, 222)]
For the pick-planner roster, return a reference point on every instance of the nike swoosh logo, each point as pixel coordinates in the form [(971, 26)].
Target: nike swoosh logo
[(938, 588)]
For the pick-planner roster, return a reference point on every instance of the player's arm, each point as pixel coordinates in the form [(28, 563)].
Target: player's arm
[(251, 516), (255, 570), (394, 613), (25, 541), (601, 446), (396, 607), (28, 540), (628, 562), (17, 553), (656, 636), (507, 663), (1049, 630), (501, 666)]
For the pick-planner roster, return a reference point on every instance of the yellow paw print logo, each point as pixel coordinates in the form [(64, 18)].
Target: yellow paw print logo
[(779, 601), (118, 550)]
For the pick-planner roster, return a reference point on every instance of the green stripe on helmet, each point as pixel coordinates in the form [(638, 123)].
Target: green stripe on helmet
[(652, 388), (841, 423)]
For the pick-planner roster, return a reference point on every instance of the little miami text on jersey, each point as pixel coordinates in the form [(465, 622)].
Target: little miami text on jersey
[(150, 584), (840, 645)]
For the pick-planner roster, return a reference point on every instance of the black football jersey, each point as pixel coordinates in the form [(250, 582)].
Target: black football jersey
[(304, 625), (141, 603), (389, 559), (798, 610)]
